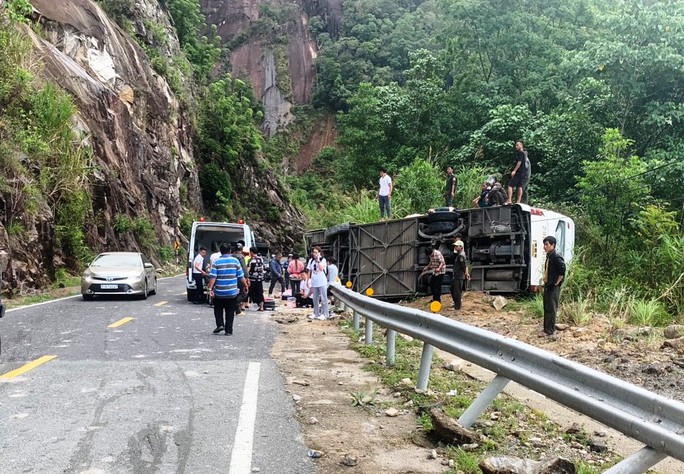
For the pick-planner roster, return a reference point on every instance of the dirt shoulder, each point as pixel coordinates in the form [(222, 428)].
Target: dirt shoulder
[(323, 373)]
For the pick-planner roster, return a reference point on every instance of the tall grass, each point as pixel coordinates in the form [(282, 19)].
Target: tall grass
[(648, 313)]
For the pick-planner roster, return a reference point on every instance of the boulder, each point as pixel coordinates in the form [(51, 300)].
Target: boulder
[(513, 465), (499, 302), (674, 331), (450, 430)]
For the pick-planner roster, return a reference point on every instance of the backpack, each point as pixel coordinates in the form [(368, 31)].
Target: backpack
[(256, 268), (497, 196)]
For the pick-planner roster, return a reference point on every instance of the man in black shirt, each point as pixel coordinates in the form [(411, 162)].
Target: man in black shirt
[(519, 177), (450, 190), (554, 273), (460, 273)]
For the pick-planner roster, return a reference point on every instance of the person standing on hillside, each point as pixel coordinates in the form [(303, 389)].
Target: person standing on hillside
[(461, 273), (450, 190), (225, 279), (519, 174), (437, 269), (385, 194), (554, 274), (256, 278), (198, 275)]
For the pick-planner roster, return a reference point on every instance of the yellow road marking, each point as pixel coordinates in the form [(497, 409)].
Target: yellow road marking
[(161, 303), (120, 322), (27, 367)]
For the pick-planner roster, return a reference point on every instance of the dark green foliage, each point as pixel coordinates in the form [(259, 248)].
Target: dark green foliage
[(214, 182)]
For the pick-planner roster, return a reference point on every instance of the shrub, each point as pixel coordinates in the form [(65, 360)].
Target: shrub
[(648, 313), (575, 312), (122, 223)]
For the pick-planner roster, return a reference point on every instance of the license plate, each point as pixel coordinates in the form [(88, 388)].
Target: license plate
[(109, 287)]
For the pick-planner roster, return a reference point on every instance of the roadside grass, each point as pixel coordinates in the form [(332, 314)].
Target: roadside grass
[(507, 424)]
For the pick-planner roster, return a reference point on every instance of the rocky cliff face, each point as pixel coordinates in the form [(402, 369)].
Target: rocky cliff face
[(138, 131), (272, 48), (140, 134)]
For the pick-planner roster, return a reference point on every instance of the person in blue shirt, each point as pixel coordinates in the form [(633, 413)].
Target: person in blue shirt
[(225, 280), (276, 270)]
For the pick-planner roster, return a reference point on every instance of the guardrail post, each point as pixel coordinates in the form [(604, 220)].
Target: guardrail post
[(425, 362), (641, 461), (357, 322), (391, 344), (369, 331), (482, 401)]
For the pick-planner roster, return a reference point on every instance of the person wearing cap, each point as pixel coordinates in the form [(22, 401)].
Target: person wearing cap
[(554, 274), (437, 267), (461, 273), (243, 294)]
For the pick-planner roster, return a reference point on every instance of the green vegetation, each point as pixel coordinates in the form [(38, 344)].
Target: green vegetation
[(45, 167), (598, 106)]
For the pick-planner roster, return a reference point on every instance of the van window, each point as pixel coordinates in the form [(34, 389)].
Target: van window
[(560, 237)]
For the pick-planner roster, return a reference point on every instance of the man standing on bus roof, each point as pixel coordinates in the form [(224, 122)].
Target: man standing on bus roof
[(519, 177), (385, 194), (554, 274), (450, 190), (225, 279), (198, 275)]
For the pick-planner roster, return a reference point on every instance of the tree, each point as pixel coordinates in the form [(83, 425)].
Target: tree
[(613, 190)]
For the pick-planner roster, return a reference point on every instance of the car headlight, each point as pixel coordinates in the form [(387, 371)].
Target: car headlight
[(137, 277)]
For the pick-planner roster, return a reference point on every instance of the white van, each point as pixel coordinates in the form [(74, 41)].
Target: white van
[(210, 235)]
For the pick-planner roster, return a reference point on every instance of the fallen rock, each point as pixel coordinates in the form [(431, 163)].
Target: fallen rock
[(349, 460), (597, 446), (450, 431), (296, 397), (677, 344), (303, 383), (406, 382), (499, 302), (455, 365), (674, 331), (562, 327), (392, 412), (575, 428), (513, 465), (432, 454), (313, 420)]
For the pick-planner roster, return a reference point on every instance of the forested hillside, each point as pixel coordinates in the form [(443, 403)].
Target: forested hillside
[(594, 89)]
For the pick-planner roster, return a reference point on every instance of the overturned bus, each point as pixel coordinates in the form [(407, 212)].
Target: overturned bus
[(503, 245)]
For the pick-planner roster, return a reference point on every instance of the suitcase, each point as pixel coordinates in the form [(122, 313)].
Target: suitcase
[(269, 304)]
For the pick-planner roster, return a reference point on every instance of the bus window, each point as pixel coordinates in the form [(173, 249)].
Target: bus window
[(560, 237)]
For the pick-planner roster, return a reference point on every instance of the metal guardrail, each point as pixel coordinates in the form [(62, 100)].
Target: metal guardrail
[(654, 420)]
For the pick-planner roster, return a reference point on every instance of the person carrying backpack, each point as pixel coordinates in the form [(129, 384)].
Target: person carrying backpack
[(256, 278)]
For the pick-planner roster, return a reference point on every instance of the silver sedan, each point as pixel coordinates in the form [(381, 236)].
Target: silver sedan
[(119, 273)]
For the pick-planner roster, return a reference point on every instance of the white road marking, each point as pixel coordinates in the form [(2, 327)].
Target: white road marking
[(241, 458)]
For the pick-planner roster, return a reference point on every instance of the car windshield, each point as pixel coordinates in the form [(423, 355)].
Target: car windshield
[(113, 260)]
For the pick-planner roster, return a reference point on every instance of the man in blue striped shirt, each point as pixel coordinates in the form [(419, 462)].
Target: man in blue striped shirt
[(225, 279)]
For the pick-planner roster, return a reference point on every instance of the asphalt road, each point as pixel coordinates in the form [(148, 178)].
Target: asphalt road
[(158, 393)]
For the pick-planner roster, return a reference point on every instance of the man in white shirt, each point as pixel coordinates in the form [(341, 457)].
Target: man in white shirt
[(198, 274), (385, 194)]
